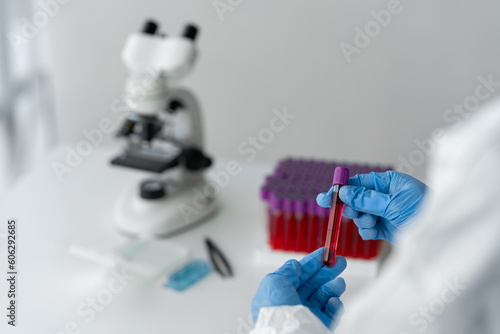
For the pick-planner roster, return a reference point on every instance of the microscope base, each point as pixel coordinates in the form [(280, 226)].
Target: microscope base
[(164, 217)]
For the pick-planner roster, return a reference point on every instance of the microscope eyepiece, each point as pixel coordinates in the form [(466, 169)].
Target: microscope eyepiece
[(190, 32), (150, 27)]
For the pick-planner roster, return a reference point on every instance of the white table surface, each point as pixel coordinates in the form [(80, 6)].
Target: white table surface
[(53, 215)]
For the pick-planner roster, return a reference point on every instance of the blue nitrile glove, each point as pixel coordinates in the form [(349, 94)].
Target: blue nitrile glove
[(381, 204), (307, 282)]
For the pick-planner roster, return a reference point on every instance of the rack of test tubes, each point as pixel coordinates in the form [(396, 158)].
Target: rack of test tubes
[(296, 223)]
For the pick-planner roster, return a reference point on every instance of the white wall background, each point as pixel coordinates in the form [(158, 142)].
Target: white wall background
[(270, 54)]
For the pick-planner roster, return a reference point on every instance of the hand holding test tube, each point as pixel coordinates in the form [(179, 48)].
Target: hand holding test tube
[(340, 179), (381, 204)]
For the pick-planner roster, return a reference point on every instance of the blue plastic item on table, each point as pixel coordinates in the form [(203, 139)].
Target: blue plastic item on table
[(188, 275)]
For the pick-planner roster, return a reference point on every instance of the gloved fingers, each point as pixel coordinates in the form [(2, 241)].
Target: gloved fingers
[(334, 308), (368, 233), (323, 276), (292, 270), (349, 212), (365, 200), (374, 181), (388, 234), (334, 288), (310, 265), (325, 199), (365, 220)]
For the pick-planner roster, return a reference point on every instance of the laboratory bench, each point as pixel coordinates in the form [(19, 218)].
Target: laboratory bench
[(61, 293)]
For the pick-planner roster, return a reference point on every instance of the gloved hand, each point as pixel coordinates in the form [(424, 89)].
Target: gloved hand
[(381, 204), (307, 282)]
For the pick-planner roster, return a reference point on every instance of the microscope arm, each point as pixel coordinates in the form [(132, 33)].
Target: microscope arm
[(188, 129)]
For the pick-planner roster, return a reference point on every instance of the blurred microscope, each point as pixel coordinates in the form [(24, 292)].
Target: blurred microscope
[(163, 135)]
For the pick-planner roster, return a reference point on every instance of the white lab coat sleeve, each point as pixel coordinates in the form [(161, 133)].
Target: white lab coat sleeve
[(445, 276), (288, 320)]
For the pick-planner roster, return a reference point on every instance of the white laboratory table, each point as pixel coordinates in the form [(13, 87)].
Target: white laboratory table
[(53, 284)]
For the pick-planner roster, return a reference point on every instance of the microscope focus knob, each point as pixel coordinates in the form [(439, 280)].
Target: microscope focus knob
[(194, 159), (152, 189)]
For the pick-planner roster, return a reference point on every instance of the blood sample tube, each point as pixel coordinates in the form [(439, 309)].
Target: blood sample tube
[(355, 238), (271, 223), (322, 226), (366, 249), (277, 228), (301, 229), (264, 192), (340, 178), (360, 247), (350, 235), (289, 223), (312, 225), (341, 249)]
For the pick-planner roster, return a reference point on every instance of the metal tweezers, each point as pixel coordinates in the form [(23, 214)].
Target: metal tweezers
[(218, 259)]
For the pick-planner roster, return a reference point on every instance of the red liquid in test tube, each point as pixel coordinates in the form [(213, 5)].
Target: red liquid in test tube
[(301, 228), (341, 248), (340, 178), (289, 224), (278, 222), (271, 226), (312, 223), (322, 226), (350, 235)]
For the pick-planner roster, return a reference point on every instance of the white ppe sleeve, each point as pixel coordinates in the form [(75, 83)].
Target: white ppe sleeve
[(445, 277), (288, 320)]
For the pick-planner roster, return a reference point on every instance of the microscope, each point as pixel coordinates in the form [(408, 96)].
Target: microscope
[(163, 137)]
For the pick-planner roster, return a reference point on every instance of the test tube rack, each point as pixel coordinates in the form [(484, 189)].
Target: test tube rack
[(296, 223)]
